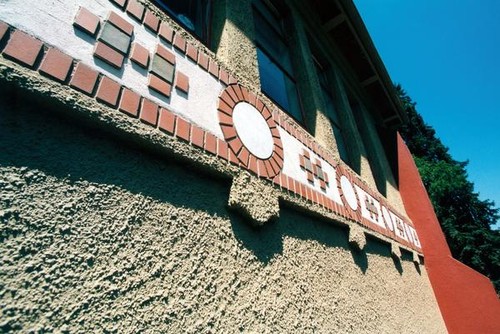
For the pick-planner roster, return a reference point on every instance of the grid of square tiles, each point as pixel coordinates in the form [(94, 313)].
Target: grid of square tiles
[(166, 33)]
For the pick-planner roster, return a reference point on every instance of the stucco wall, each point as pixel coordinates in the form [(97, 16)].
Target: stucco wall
[(99, 234)]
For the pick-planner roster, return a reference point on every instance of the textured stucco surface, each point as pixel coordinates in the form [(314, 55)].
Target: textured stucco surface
[(97, 234), (254, 199)]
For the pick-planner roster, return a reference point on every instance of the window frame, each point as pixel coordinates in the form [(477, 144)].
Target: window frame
[(323, 73), (206, 36), (258, 8)]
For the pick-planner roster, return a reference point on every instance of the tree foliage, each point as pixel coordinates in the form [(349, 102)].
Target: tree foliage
[(466, 220)]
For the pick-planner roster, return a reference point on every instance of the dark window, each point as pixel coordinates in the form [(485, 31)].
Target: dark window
[(194, 15), (331, 110), (273, 54)]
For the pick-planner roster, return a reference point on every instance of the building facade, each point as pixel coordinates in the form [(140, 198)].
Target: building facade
[(203, 166)]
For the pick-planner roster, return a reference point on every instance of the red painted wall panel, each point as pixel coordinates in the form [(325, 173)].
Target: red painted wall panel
[(467, 299)]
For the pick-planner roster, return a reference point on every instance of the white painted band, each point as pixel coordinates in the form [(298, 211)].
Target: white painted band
[(349, 193)]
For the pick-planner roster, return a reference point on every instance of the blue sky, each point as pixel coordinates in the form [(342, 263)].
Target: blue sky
[(446, 55)]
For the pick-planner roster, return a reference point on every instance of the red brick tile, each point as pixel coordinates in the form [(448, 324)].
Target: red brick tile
[(225, 119), (303, 190), (23, 48), (275, 165), (232, 80), (166, 32), (292, 185), (283, 181), (246, 94), (233, 159), (239, 93), (258, 103), (183, 129), (262, 168), (265, 113), (139, 55), (192, 52), (119, 3), (322, 200), (151, 21), (270, 169), (317, 197), (108, 55), (226, 98), (3, 29), (213, 68), (225, 108), (86, 21), (149, 112), (167, 121), (203, 60), (180, 42), (224, 76), (108, 91), (229, 132), (159, 85), (129, 102), (135, 9), (278, 160), (331, 205), (84, 78), (232, 94), (56, 64), (277, 180), (235, 145), (222, 149), (252, 165), (309, 194), (243, 156), (197, 136), (252, 98), (182, 82), (211, 143), (121, 23), (279, 152), (275, 133), (165, 54)]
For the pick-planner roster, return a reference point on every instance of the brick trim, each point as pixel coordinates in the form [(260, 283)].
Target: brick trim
[(228, 99), (86, 79)]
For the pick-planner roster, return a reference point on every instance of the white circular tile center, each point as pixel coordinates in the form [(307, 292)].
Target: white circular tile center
[(253, 130), (349, 193)]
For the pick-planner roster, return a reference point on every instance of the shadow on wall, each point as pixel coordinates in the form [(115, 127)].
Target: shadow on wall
[(35, 138), (43, 140), (267, 241)]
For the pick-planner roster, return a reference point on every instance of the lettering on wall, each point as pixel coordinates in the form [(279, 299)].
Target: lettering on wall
[(130, 60)]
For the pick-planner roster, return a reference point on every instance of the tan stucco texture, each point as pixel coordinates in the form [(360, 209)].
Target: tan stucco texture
[(98, 235)]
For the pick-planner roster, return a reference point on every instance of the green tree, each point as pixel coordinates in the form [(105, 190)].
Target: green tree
[(466, 220)]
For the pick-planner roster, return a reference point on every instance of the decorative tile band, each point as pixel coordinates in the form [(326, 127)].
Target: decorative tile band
[(250, 130), (207, 108)]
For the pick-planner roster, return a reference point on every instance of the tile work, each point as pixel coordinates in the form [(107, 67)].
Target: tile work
[(86, 21), (313, 171), (108, 55), (139, 55), (23, 48), (116, 42), (162, 68), (56, 65), (115, 38)]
